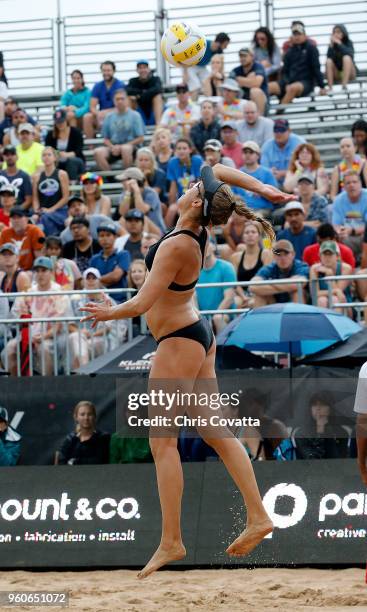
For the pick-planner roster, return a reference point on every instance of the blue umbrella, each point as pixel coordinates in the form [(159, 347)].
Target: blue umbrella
[(292, 328)]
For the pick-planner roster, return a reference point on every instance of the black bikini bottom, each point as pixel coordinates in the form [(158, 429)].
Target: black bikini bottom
[(200, 331)]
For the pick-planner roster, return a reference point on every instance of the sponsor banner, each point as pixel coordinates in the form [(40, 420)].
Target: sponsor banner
[(77, 516)]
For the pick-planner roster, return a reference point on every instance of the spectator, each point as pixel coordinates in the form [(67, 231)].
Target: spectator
[(301, 69), (232, 232), (29, 152), (66, 272), (135, 280), (267, 52), (78, 208), (251, 156), (154, 176), (284, 266), (13, 176), (19, 117), (254, 127), (207, 128), (181, 116), (359, 134), (145, 93), (46, 337), (50, 194), (231, 146), (361, 284), (195, 76), (68, 142), (137, 195), (4, 93), (112, 264), (96, 202), (276, 153), (292, 41), (249, 260), (147, 241), (123, 130), (340, 64), (330, 265), (76, 101), (161, 147), (350, 161), (83, 246), (315, 205), (326, 438), (183, 169), (2, 70), (213, 154), (216, 298), (15, 280), (350, 211), (213, 82), (251, 77), (231, 106), (102, 99), (9, 441), (8, 198), (29, 239), (306, 158), (129, 450), (131, 242), (87, 445), (299, 234), (10, 105), (326, 232)]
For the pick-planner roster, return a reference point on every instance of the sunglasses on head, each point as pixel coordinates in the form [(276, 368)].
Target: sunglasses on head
[(281, 252)]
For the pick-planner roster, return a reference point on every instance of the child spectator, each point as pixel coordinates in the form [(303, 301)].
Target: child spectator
[(87, 445), (340, 64), (50, 194), (350, 161), (102, 99), (68, 142), (162, 147), (252, 79), (267, 52), (180, 116), (66, 272), (113, 265), (330, 265), (13, 176), (213, 82), (135, 280), (297, 232), (145, 93), (306, 159), (76, 101), (207, 128), (96, 202)]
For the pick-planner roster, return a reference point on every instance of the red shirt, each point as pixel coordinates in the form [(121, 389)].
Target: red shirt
[(235, 153), (4, 218), (311, 254)]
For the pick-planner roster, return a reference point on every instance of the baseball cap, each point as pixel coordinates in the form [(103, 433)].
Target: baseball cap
[(181, 87), (251, 144), (230, 84), (329, 245), (244, 50), (74, 198), (4, 414), (281, 125), (306, 176), (231, 124), (93, 271), (131, 173), (298, 28), (9, 246), (9, 188), (59, 115), (79, 221), (18, 211), (9, 149), (26, 127), (283, 245), (213, 144), (43, 262), (294, 205), (107, 227), (134, 213), (142, 61)]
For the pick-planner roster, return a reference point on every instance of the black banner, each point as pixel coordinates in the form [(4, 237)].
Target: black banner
[(78, 516)]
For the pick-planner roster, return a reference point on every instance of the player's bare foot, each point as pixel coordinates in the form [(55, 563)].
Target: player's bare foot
[(250, 538), (161, 557)]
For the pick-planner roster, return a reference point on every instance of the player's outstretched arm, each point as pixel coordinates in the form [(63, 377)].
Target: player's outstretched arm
[(232, 176)]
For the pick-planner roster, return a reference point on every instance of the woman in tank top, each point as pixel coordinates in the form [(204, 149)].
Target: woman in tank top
[(248, 261), (50, 194), (96, 202), (350, 161)]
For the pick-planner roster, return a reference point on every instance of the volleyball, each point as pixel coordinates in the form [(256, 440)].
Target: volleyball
[(183, 44)]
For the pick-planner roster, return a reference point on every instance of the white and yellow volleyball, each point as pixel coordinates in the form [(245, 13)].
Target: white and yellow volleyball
[(183, 44)]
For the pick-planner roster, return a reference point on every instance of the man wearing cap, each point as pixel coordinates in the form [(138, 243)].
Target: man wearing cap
[(251, 155), (231, 106), (326, 232), (45, 307), (315, 205), (284, 266), (252, 79), (123, 131), (301, 68), (231, 146), (82, 247), (101, 101), (9, 441), (29, 239), (299, 234), (195, 76), (8, 199), (254, 127), (213, 154), (112, 264), (137, 195), (28, 150), (145, 93), (277, 152), (207, 128), (12, 112), (78, 208), (131, 242), (180, 116), (15, 279), (12, 175), (330, 265)]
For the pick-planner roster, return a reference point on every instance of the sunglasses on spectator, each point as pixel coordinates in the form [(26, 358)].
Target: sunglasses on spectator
[(249, 151), (281, 252)]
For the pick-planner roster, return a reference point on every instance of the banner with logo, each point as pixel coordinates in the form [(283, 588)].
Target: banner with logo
[(78, 516)]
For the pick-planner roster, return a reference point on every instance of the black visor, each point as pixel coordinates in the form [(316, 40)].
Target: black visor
[(211, 186)]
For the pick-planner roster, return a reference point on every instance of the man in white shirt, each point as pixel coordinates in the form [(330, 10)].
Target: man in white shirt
[(181, 116), (360, 407)]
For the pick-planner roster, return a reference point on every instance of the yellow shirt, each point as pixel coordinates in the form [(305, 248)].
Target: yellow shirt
[(29, 160)]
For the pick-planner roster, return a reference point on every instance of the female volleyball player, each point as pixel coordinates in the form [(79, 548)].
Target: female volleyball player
[(186, 346)]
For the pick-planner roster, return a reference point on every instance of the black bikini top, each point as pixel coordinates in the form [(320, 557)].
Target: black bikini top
[(201, 239)]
